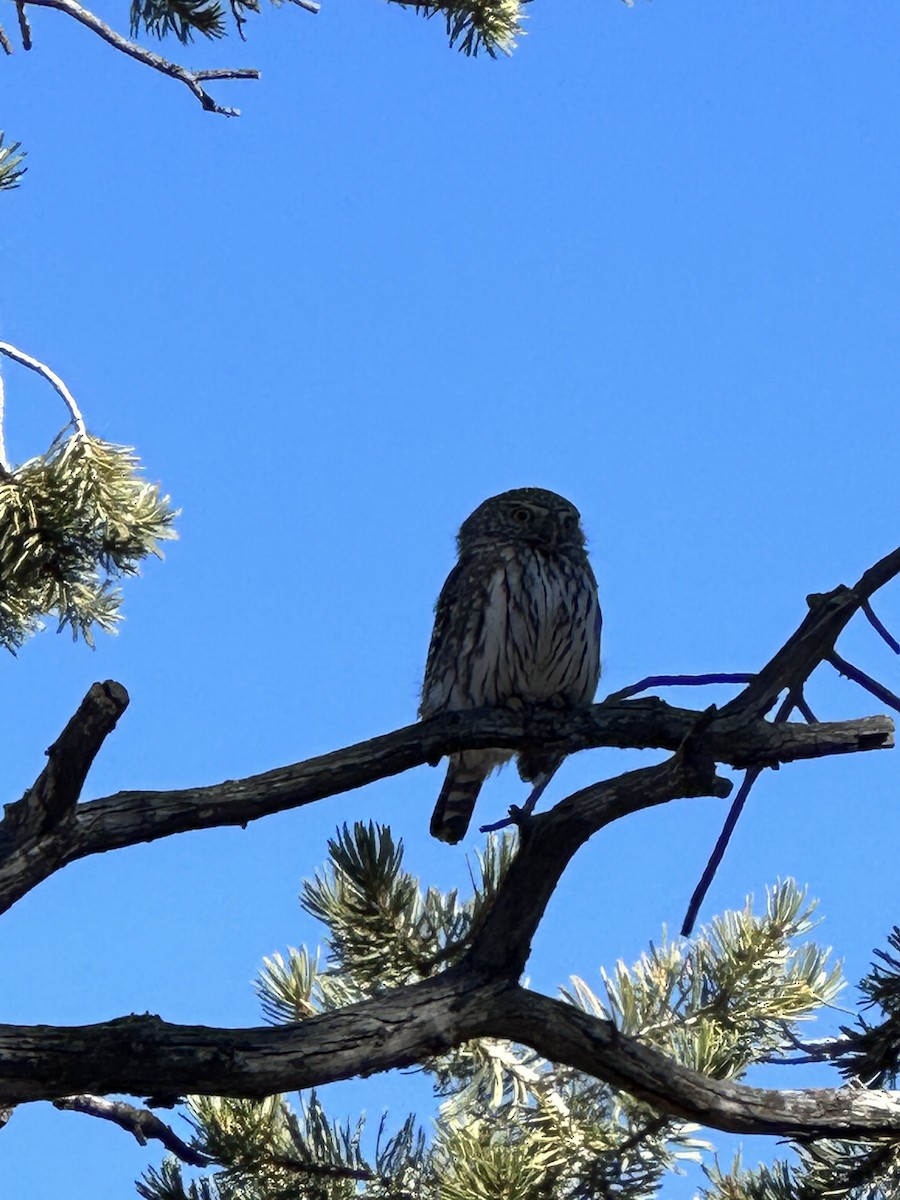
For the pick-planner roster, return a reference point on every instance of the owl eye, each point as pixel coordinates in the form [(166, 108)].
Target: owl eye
[(522, 515), (568, 522)]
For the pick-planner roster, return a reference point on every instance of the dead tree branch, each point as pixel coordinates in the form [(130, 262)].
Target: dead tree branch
[(193, 80), (142, 1124), (828, 616), (479, 995), (51, 801), (127, 818), (143, 1054)]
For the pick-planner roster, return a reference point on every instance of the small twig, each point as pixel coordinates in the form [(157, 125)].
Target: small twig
[(518, 815), (651, 1129), (655, 681), (139, 1122), (322, 1170), (27, 361), (4, 461), (803, 708), (715, 859), (871, 685), (731, 820), (191, 79), (823, 1050), (5, 43), (24, 27), (224, 73), (879, 628)]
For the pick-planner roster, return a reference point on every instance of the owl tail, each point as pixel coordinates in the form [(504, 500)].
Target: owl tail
[(456, 803)]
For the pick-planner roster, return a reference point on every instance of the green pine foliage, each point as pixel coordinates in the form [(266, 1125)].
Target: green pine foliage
[(507, 1122), (472, 25), (182, 18), (11, 158), (825, 1170), (874, 1054), (724, 999), (869, 1057), (72, 521)]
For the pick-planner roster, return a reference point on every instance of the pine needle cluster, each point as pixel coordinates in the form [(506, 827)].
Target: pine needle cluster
[(508, 1123), (72, 521), (869, 1056), (822, 1171), (181, 18), (873, 1057), (472, 25), (11, 158)]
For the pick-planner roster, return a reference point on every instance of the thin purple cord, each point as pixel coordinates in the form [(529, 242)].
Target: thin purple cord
[(731, 820), (680, 681), (871, 685), (879, 628)]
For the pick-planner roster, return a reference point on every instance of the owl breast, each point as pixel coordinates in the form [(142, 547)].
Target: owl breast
[(537, 635)]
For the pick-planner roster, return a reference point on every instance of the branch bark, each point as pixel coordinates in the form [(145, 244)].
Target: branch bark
[(193, 80), (51, 801), (828, 616), (143, 1054), (142, 1124), (127, 818), (479, 995)]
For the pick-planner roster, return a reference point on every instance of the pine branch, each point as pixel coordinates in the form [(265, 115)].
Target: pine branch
[(26, 360), (474, 25), (11, 169)]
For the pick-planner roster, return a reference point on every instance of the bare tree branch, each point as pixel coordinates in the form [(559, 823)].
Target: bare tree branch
[(139, 1122), (550, 840), (44, 371), (563, 1034), (142, 1054), (54, 795), (801, 654), (4, 461), (478, 996), (24, 27), (128, 818), (191, 79)]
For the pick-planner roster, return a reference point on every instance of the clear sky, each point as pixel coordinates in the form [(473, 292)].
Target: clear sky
[(650, 262)]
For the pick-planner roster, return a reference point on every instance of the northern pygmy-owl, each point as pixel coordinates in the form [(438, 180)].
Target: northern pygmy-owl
[(518, 621)]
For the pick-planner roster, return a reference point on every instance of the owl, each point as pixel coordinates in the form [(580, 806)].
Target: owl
[(516, 623)]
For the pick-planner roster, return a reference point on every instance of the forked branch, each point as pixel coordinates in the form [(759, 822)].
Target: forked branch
[(193, 80), (479, 996)]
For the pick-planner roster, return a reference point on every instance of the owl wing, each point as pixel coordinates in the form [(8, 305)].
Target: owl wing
[(459, 618)]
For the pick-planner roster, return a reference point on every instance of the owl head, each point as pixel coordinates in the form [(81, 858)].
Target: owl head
[(531, 515)]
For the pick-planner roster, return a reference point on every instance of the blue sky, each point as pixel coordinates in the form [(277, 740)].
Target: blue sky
[(650, 262)]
